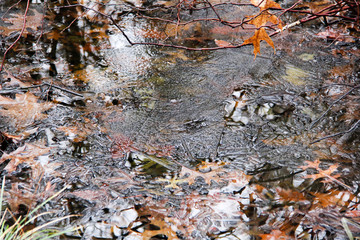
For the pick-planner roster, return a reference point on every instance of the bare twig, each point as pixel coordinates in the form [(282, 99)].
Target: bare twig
[(8, 10), (18, 38), (21, 89), (353, 128), (331, 105)]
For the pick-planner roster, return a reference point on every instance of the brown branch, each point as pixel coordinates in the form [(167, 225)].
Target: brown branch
[(214, 10)]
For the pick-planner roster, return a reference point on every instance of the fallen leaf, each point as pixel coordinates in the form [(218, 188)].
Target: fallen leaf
[(173, 182), (26, 104), (260, 22), (13, 81), (24, 154), (90, 195), (289, 195), (23, 135), (222, 43), (190, 175), (336, 35), (164, 229), (16, 21), (275, 235)]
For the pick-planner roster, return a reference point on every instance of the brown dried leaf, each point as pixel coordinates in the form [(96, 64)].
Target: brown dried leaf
[(26, 196), (264, 18), (13, 81), (24, 109), (24, 154), (222, 43), (290, 195), (322, 173), (336, 35), (23, 135), (333, 198), (275, 235), (33, 22), (260, 22), (310, 164), (90, 195), (315, 6), (190, 175), (165, 229)]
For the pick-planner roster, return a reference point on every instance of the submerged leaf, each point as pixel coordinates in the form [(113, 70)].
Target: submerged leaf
[(24, 154), (26, 104), (16, 22)]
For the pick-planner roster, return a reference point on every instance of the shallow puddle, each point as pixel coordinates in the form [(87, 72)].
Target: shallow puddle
[(164, 143)]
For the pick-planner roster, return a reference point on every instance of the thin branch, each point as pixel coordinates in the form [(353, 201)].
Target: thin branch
[(18, 38), (353, 128), (8, 10), (331, 105), (8, 91)]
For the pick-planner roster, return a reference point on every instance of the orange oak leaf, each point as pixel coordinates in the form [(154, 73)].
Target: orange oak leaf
[(164, 228), (265, 4), (289, 195), (322, 173), (310, 164), (325, 173), (190, 175), (260, 22), (257, 38), (264, 18)]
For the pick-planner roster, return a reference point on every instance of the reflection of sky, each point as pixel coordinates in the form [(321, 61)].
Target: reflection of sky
[(126, 63), (129, 61)]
